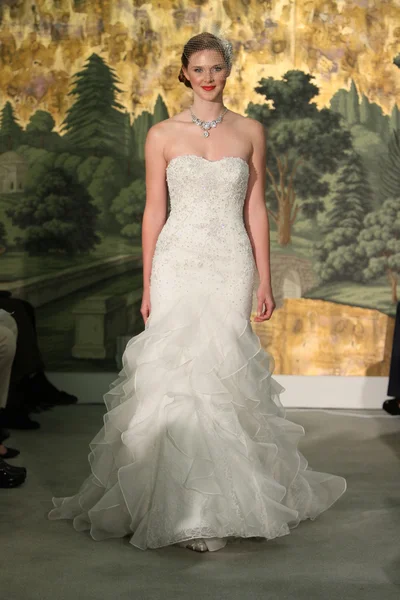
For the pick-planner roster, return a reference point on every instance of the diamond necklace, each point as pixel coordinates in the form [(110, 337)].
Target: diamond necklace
[(206, 125)]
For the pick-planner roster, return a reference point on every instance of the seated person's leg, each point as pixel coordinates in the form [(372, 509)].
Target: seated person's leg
[(8, 341), (37, 382), (29, 387), (16, 412), (9, 476), (7, 353)]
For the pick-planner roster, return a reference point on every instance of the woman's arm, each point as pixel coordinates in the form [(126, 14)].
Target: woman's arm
[(257, 222), (155, 212)]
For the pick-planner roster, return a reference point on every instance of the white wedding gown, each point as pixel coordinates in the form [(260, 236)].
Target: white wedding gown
[(195, 443)]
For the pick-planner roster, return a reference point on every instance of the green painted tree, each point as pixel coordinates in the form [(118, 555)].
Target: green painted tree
[(160, 110), (40, 122), (128, 209), (94, 122), (379, 244), (382, 122), (127, 138), (353, 105), (132, 161), (395, 119), (338, 103), (365, 113), (371, 115), (40, 161), (40, 134), (87, 169), (140, 127), (366, 117), (303, 144), (107, 181), (351, 202), (58, 216), (389, 172), (68, 163), (10, 130)]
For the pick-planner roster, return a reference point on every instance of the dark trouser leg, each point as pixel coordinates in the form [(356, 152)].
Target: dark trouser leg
[(31, 314), (394, 375), (29, 384)]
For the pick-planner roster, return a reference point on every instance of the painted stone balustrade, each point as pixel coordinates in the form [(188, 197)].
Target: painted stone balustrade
[(100, 320)]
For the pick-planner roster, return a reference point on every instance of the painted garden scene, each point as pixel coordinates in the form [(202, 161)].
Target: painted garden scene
[(77, 98)]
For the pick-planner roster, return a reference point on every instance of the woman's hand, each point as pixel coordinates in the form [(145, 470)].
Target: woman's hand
[(145, 307), (265, 303)]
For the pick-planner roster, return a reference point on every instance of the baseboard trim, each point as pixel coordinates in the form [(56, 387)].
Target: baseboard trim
[(300, 391)]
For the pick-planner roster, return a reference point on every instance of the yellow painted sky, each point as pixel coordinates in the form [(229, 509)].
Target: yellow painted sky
[(44, 42)]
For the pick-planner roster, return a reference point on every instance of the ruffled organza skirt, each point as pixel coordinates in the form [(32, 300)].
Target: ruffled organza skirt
[(195, 442)]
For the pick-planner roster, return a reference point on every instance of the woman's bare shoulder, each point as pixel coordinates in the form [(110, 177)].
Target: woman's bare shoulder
[(247, 124), (163, 131), (159, 130), (160, 134), (244, 121), (249, 129), (163, 128)]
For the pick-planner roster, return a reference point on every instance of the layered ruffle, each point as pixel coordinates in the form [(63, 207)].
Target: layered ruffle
[(195, 442)]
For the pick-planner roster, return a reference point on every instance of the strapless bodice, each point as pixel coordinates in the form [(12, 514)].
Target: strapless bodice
[(204, 244), (207, 199), (201, 189)]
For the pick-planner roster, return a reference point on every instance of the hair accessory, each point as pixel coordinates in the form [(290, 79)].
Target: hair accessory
[(209, 41)]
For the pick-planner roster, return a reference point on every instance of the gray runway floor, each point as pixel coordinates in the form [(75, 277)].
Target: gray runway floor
[(352, 551)]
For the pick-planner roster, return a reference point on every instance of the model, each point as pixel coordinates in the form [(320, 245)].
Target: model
[(195, 448)]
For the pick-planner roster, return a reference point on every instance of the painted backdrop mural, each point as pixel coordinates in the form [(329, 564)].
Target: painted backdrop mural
[(82, 81)]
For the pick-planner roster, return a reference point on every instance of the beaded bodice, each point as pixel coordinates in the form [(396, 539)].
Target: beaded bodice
[(207, 199), (199, 188), (204, 240)]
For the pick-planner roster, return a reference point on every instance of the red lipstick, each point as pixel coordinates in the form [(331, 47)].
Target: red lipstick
[(208, 87)]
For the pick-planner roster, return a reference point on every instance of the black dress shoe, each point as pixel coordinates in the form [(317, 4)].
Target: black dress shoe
[(40, 388), (45, 405), (25, 396), (392, 406), (10, 479), (40, 407), (11, 453), (17, 401), (13, 420), (63, 398), (10, 468)]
